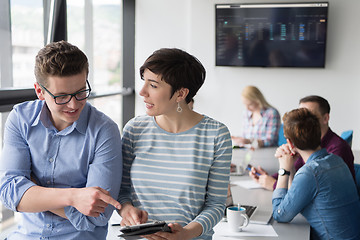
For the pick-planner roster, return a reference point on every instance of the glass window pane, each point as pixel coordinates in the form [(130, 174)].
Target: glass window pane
[(107, 55), (107, 42), (111, 106), (106, 52), (27, 38), (76, 22)]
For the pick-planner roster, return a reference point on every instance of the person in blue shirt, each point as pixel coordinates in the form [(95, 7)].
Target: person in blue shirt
[(322, 190), (60, 163)]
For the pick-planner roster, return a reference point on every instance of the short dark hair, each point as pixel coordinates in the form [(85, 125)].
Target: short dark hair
[(59, 59), (324, 106), (302, 128), (177, 68)]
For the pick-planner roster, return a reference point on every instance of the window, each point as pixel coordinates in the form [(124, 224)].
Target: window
[(27, 34), (101, 19), (76, 22), (94, 26)]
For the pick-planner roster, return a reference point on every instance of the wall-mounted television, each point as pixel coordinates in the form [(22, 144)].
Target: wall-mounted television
[(271, 34)]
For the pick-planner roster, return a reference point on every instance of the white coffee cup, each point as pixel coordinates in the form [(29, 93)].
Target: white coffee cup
[(237, 218)]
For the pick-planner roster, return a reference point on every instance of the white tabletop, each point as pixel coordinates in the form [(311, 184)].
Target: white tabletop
[(298, 228)]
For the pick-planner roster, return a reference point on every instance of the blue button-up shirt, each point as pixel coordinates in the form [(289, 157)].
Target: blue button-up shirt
[(85, 154), (324, 191)]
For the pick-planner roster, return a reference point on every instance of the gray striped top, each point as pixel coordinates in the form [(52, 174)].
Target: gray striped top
[(177, 177)]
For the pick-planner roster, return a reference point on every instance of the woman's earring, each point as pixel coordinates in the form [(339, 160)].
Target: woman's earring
[(179, 109)]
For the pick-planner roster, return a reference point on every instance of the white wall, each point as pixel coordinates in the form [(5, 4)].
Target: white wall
[(190, 25)]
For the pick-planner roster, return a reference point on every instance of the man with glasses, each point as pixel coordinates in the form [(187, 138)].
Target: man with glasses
[(65, 98), (61, 164)]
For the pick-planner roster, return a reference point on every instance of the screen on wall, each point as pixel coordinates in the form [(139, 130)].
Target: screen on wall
[(271, 35)]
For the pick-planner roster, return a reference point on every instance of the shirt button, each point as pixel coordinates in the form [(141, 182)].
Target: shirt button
[(48, 182), (51, 160), (278, 210), (48, 225)]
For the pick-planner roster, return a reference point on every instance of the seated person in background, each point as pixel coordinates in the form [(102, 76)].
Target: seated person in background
[(329, 140), (261, 121), (60, 164), (176, 161), (322, 190)]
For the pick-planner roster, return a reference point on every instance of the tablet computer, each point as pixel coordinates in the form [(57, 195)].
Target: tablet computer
[(144, 229)]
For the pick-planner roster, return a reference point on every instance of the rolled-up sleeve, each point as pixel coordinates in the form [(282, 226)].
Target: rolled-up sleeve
[(105, 171), (288, 203), (15, 164)]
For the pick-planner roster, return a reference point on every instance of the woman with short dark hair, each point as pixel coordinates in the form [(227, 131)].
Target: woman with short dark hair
[(176, 161)]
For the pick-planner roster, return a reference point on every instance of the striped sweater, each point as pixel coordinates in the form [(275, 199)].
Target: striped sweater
[(177, 177)]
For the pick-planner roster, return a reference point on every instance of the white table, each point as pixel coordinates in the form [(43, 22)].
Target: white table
[(262, 156), (298, 228)]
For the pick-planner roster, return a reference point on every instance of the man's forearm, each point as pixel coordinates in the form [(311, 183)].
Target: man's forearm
[(60, 212), (40, 199)]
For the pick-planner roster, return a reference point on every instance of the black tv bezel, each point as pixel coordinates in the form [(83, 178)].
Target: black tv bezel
[(273, 3)]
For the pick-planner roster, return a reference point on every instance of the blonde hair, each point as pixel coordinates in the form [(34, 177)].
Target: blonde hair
[(253, 94)]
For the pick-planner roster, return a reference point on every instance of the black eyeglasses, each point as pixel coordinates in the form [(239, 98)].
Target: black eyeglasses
[(65, 98)]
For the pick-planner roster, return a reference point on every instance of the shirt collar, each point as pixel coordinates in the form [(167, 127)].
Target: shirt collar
[(37, 119), (82, 122), (80, 125), (318, 154), (43, 117), (326, 137), (262, 111)]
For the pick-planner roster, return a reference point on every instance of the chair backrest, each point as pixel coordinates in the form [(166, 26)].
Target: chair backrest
[(347, 136), (357, 176), (281, 139)]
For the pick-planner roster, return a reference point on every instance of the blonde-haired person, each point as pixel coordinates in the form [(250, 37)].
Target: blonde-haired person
[(261, 121)]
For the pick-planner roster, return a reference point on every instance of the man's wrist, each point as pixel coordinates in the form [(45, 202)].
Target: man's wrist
[(69, 196), (124, 207)]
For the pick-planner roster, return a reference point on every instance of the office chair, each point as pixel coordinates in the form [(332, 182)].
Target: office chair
[(281, 139), (347, 136)]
